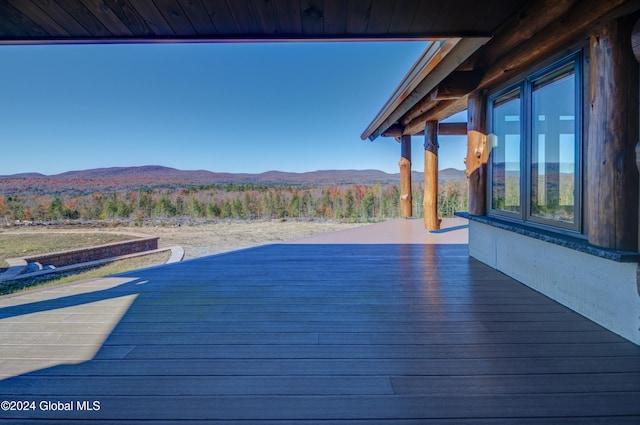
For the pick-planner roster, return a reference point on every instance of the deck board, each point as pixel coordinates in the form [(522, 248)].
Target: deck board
[(316, 333)]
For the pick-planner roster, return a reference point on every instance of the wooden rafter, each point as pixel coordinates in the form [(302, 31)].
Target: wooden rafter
[(443, 109), (444, 129)]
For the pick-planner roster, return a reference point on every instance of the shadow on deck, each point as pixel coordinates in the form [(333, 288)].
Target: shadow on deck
[(315, 331)]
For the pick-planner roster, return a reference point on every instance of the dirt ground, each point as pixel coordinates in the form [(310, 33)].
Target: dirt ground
[(212, 238), (205, 239)]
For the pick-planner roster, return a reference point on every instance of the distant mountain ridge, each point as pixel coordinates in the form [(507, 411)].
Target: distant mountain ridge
[(120, 178)]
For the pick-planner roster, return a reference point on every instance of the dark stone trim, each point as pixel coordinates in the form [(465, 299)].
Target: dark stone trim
[(566, 241)]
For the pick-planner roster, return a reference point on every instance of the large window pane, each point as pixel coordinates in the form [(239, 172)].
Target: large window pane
[(505, 172), (553, 144)]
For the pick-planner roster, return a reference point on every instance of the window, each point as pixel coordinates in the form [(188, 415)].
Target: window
[(536, 148), (506, 165)]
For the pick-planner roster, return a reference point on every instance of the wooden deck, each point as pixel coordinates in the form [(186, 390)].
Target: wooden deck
[(310, 333)]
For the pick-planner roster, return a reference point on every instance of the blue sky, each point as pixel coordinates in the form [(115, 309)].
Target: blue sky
[(221, 107)]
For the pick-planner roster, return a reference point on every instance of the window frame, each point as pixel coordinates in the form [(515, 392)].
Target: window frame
[(525, 84), (519, 87)]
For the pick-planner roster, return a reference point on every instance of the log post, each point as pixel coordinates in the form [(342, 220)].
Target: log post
[(612, 188), (405, 177), (635, 46), (635, 40), (477, 154), (431, 220)]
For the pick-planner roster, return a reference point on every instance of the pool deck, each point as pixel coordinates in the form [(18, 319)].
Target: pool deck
[(381, 324)]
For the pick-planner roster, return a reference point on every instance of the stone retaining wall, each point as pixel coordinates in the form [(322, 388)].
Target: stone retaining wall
[(83, 255)]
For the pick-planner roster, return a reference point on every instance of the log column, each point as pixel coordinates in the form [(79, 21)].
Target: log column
[(405, 177), (635, 45), (431, 220), (612, 198), (477, 154)]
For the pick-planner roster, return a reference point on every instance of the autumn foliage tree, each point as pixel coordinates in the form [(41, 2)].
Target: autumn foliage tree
[(363, 203)]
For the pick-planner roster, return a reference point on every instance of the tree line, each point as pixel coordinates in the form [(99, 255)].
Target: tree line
[(359, 203)]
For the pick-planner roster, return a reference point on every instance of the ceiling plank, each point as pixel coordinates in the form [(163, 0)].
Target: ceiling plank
[(449, 10), (147, 20), (475, 13), (176, 17), (403, 15), (220, 15), (154, 19), (289, 16), (83, 13), (358, 13), (50, 27), (63, 18), (8, 26), (198, 17), (335, 17), (380, 17), (245, 19), (141, 17), (19, 22), (267, 15), (312, 16), (426, 14)]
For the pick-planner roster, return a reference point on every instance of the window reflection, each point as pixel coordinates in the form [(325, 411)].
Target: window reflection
[(506, 171), (553, 146)]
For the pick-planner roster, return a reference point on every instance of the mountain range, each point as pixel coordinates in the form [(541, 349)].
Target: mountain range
[(119, 178)]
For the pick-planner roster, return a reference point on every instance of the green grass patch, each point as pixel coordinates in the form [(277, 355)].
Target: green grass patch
[(26, 244), (115, 267)]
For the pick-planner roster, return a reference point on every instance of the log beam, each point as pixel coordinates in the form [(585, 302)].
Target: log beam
[(405, 177), (457, 85), (612, 190), (393, 131), (422, 107), (565, 29), (444, 129), (450, 55), (431, 220), (452, 129), (477, 154), (441, 110), (532, 20)]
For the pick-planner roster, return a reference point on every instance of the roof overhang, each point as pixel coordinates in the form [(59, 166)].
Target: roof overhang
[(152, 21), (452, 70), (436, 63)]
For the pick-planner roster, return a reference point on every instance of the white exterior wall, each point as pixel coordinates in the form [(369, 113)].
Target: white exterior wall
[(602, 290)]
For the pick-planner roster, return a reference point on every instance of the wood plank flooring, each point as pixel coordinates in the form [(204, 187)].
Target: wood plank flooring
[(314, 334)]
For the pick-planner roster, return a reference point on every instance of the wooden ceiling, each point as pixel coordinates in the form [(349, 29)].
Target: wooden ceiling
[(95, 21)]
